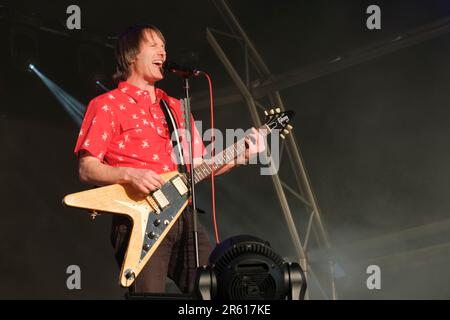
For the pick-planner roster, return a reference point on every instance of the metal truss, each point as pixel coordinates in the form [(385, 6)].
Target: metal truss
[(297, 76), (303, 190)]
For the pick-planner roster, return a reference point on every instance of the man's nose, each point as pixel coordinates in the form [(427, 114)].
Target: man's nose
[(162, 51)]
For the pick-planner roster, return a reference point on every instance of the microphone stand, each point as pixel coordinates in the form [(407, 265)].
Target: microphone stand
[(187, 112)]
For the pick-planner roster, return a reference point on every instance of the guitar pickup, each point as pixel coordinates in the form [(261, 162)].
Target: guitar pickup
[(179, 184), (160, 199)]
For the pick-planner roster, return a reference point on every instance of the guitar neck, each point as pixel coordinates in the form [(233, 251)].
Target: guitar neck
[(204, 170)]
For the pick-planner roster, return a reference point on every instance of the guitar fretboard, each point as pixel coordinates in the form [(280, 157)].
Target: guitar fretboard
[(222, 158)]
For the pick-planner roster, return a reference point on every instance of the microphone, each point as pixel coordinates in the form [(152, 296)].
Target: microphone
[(183, 71)]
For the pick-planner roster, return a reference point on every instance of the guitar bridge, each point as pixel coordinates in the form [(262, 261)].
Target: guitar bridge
[(153, 204)]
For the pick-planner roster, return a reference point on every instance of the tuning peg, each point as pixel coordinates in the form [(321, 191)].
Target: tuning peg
[(286, 131), (266, 113), (282, 136), (290, 127), (272, 111), (278, 110)]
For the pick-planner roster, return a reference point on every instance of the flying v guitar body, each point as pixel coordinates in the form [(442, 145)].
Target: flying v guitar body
[(152, 216)]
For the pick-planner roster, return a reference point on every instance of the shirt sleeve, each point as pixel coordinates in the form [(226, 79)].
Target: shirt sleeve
[(96, 130)]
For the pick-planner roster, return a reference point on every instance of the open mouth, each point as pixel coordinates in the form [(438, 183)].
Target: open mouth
[(158, 63)]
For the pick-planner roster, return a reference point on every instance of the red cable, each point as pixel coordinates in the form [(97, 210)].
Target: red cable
[(213, 194)]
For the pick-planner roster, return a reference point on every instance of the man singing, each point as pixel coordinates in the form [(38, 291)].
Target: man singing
[(125, 139)]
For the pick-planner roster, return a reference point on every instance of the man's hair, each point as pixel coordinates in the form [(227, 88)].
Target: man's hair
[(128, 47)]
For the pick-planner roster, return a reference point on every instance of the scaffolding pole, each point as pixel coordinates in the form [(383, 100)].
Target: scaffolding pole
[(305, 193)]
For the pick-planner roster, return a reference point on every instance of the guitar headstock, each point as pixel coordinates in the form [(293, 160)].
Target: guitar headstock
[(277, 119)]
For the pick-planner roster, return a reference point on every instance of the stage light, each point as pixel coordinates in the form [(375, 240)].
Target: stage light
[(97, 82), (247, 268), (101, 85), (73, 107)]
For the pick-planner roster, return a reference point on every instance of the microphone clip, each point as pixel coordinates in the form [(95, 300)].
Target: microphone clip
[(182, 71)]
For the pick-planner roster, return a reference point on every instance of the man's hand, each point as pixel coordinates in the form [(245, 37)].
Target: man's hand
[(91, 170), (255, 144), (143, 180)]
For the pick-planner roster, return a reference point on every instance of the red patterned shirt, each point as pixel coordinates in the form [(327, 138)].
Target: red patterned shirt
[(123, 128)]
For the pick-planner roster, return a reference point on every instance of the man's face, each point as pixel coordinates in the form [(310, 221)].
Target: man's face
[(149, 62)]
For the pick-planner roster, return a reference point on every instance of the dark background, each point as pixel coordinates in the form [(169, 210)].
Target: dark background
[(374, 138)]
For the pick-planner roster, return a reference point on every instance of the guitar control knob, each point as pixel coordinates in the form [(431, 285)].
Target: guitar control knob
[(129, 274), (157, 222), (166, 222), (146, 247), (151, 235)]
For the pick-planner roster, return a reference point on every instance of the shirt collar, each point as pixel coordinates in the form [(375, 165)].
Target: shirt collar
[(138, 94)]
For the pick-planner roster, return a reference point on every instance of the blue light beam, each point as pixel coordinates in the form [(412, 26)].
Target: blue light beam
[(73, 107)]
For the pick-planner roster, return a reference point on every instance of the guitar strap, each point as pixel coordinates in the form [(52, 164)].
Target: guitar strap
[(173, 128)]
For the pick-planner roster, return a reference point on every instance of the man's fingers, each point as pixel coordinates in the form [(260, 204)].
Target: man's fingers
[(254, 143), (156, 182), (157, 177), (252, 136), (143, 189), (153, 178), (150, 184)]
